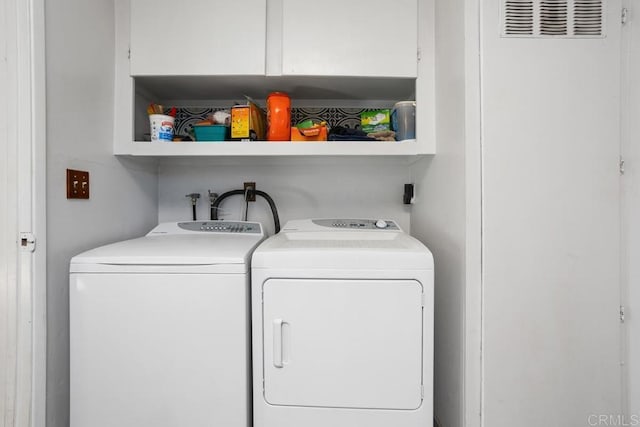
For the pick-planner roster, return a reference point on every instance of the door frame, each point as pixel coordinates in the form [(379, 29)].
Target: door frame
[(473, 377), (629, 182), (23, 269)]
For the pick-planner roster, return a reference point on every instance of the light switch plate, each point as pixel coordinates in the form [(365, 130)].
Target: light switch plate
[(77, 184)]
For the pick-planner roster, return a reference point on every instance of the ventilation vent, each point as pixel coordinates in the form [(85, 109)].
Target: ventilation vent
[(553, 18), (519, 17), (587, 18)]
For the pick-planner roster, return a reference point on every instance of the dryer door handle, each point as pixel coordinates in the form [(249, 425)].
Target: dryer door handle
[(277, 343)]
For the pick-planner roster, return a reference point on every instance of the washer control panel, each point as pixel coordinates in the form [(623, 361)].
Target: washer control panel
[(358, 224), (222, 227)]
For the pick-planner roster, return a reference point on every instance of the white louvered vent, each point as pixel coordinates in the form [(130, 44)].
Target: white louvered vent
[(519, 17), (587, 19), (553, 18)]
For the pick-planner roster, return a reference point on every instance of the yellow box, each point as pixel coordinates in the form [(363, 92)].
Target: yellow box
[(240, 122), (248, 122)]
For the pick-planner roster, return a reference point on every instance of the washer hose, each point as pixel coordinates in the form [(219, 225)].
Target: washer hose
[(272, 205), (217, 201)]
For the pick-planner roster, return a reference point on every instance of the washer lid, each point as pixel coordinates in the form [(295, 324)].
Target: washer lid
[(304, 245), (163, 250)]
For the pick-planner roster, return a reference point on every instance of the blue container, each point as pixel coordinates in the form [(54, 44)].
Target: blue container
[(210, 133)]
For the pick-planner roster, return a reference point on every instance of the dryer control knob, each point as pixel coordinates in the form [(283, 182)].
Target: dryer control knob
[(381, 223)]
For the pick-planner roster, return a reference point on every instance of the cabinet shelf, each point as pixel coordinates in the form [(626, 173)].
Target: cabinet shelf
[(184, 90), (264, 148)]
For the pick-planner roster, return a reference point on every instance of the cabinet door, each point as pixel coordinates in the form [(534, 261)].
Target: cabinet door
[(551, 226), (350, 38), (197, 37), (343, 343)]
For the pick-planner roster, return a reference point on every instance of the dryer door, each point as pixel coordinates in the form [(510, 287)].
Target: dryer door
[(343, 343)]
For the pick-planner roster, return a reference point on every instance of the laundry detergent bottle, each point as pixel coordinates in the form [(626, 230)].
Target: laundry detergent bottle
[(278, 117)]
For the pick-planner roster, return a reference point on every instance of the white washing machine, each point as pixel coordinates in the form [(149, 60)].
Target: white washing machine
[(342, 318), (160, 328)]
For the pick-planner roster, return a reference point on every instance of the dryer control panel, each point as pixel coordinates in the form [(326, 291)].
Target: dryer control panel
[(222, 227), (358, 224)]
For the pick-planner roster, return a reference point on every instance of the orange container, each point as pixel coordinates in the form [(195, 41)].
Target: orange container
[(278, 117), (297, 136)]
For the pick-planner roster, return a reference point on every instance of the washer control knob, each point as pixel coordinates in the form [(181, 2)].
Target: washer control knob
[(381, 223)]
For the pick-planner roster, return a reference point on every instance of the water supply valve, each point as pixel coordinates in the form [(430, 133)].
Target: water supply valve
[(194, 201)]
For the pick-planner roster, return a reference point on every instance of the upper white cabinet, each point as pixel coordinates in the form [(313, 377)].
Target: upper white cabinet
[(198, 37), (196, 54), (373, 38)]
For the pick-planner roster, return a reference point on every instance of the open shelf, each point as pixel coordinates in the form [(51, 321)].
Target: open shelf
[(334, 99), (264, 148)]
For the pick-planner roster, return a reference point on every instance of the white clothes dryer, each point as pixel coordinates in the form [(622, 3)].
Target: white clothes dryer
[(160, 328), (342, 314)]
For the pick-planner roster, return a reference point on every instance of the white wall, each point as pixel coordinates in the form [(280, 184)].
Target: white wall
[(551, 122), (301, 188), (123, 204), (631, 203), (8, 221), (439, 215)]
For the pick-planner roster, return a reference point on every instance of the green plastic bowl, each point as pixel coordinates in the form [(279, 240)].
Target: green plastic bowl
[(210, 133)]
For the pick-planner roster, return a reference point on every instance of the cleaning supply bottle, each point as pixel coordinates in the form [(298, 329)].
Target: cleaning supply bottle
[(278, 117)]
